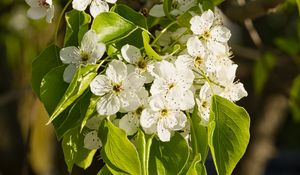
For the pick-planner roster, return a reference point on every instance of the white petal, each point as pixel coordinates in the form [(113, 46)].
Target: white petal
[(80, 5), (109, 104), (97, 53), (184, 78), (89, 40), (167, 70), (180, 118), (129, 101), (220, 34), (195, 47), (134, 82), (70, 55), (36, 12), (203, 111), (143, 96), (92, 141), (69, 73), (50, 14), (131, 54), (200, 24), (97, 7), (149, 119), (129, 123), (94, 122), (158, 102), (100, 85), (116, 71), (159, 86), (184, 61), (184, 100), (163, 133), (33, 3), (157, 11), (111, 1)]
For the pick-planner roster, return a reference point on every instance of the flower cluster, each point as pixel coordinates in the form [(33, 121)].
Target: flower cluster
[(157, 95)]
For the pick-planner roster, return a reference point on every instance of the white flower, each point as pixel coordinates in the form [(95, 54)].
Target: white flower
[(117, 89), (178, 7), (162, 118), (142, 65), (131, 121), (203, 103), (40, 8), (174, 83), (233, 91), (97, 6), (214, 36), (89, 52), (196, 57)]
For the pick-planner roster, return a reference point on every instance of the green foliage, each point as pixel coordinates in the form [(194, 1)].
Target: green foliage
[(119, 154), (74, 152), (77, 25), (196, 168), (169, 157), (149, 50), (295, 99), (84, 75), (228, 134), (262, 69), (90, 110), (110, 26), (46, 61), (143, 147)]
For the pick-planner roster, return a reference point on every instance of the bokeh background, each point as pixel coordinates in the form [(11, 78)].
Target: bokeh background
[(266, 45)]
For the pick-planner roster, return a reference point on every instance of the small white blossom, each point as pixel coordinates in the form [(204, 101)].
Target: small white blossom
[(142, 65), (174, 83), (89, 52), (215, 36), (40, 8), (117, 89), (163, 117), (92, 141), (96, 6), (131, 121)]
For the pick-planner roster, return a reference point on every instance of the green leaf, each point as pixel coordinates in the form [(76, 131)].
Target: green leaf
[(209, 4), (298, 5), (104, 171), (262, 69), (90, 110), (289, 45), (228, 134), (199, 136), (74, 117), (197, 167), (135, 39), (131, 15), (184, 19), (52, 88), (149, 50), (77, 24), (81, 81), (111, 26), (74, 151), (119, 154), (46, 61), (143, 147), (169, 157), (295, 99)]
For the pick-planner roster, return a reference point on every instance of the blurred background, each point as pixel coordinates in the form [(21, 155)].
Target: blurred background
[(265, 42)]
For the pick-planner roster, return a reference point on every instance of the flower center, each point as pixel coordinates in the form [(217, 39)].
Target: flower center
[(164, 112), (117, 88), (198, 61), (139, 110), (141, 64), (206, 35), (84, 56), (43, 3), (171, 85), (204, 104)]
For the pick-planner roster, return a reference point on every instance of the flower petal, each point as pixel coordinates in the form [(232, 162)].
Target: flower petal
[(109, 104), (184, 61), (116, 71), (92, 141), (111, 1), (50, 14), (80, 5), (149, 120), (131, 54), (129, 101), (220, 34), (134, 82), (98, 6), (100, 85), (200, 24), (180, 118), (36, 12), (70, 55), (94, 122), (129, 123), (163, 133), (157, 11), (69, 73), (195, 47)]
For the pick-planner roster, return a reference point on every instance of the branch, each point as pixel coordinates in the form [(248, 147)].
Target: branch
[(252, 9)]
